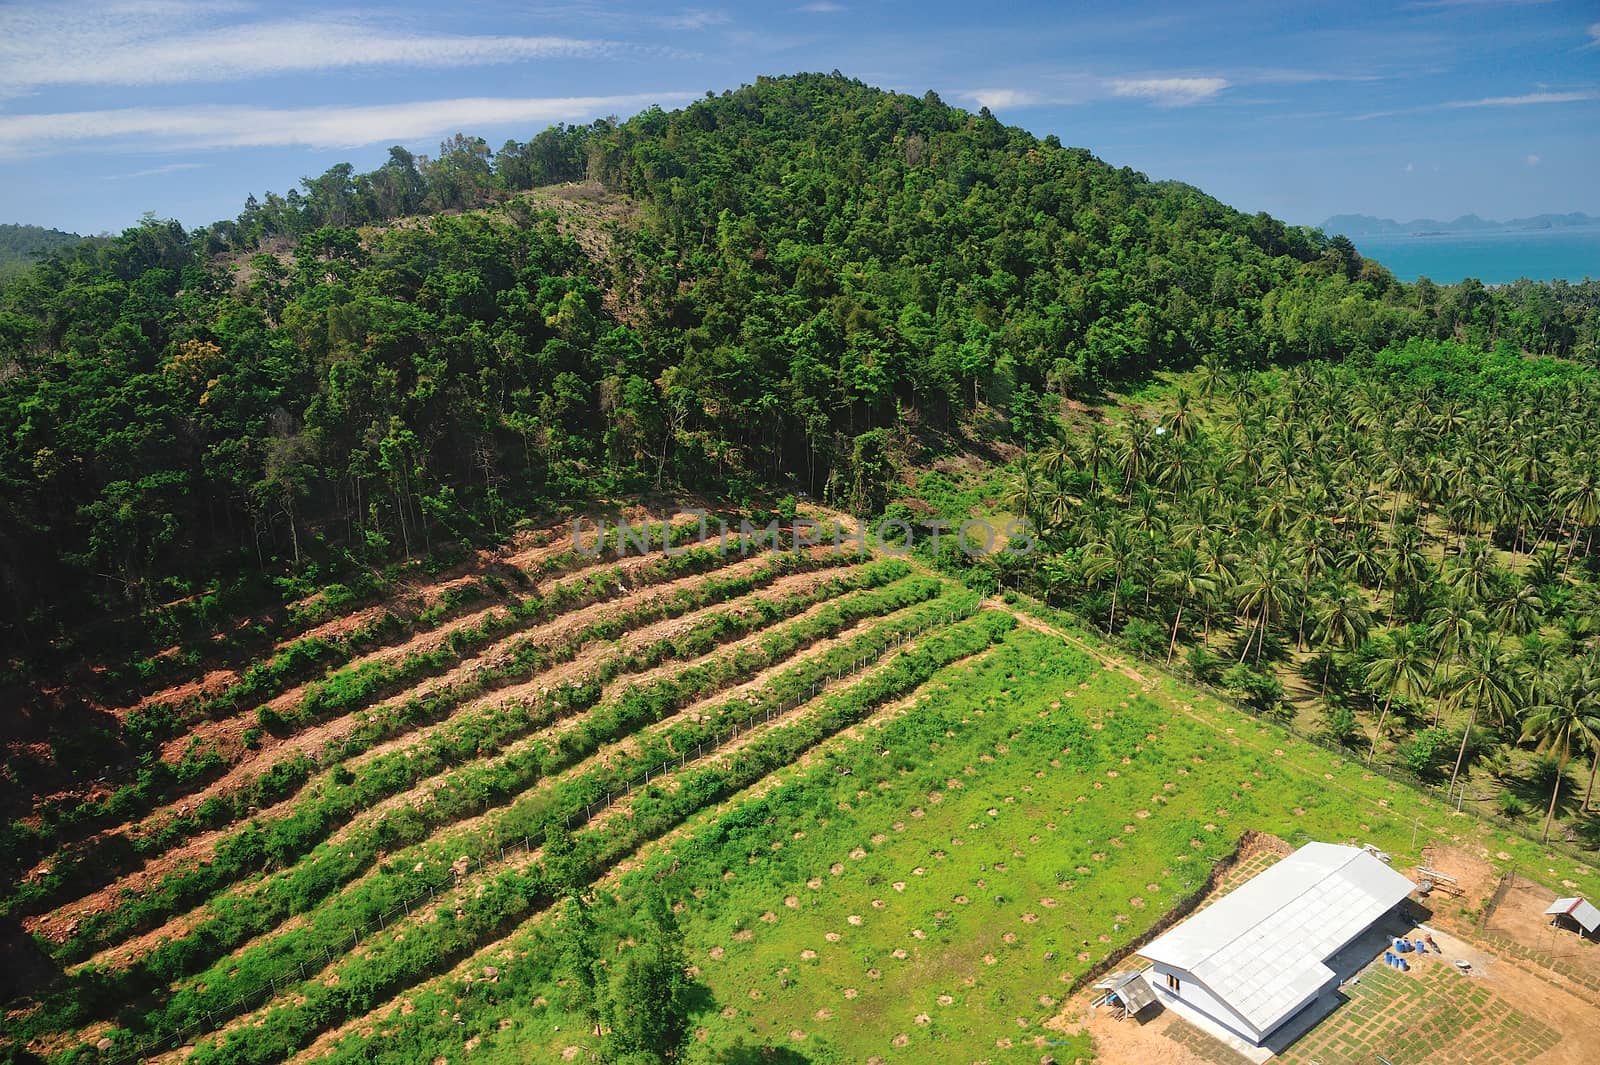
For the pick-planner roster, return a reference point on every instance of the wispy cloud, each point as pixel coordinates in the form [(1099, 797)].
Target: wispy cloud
[(1278, 76), (689, 20), (1169, 92), (1003, 98), (821, 7), (1594, 35), (166, 43), (156, 171), (322, 127), (1530, 99), (1533, 160), (1525, 100)]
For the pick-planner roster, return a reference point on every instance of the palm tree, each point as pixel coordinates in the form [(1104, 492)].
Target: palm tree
[(1110, 555), (1181, 421), (1212, 373), (1408, 564), (1133, 453), (1023, 494), (1450, 625), (1092, 456), (1186, 577), (1570, 713), (1263, 590), (1483, 683), (1342, 621), (1518, 612), (1473, 570), (1401, 667)]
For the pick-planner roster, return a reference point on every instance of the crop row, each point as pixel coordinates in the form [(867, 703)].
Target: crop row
[(392, 963), (155, 781), (87, 867), (474, 786), (916, 752), (281, 840)]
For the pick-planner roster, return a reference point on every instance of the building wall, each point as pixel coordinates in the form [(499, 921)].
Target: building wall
[(1197, 995)]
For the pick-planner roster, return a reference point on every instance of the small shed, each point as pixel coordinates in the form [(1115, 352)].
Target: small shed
[(1578, 912), (1127, 989)]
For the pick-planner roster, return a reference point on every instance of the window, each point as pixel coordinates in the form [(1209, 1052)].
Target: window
[(1172, 982)]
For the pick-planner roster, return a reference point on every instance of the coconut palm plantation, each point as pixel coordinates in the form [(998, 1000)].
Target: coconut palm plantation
[(1394, 549)]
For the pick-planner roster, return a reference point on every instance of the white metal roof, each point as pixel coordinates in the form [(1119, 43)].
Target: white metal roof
[(1262, 947), (1579, 910)]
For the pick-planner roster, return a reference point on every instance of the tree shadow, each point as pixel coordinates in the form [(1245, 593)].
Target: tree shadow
[(742, 1053), (25, 969)]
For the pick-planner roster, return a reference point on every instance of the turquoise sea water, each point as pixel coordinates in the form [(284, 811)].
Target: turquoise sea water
[(1493, 258)]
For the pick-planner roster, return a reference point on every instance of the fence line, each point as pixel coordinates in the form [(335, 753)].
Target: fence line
[(1501, 890), (1394, 773), (265, 992)]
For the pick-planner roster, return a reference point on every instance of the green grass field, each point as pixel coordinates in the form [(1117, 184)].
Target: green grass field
[(931, 890)]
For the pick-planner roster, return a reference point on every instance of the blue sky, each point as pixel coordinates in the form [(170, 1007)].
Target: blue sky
[(1303, 109)]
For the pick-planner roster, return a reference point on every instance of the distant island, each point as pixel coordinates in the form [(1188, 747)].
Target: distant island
[(1366, 225)]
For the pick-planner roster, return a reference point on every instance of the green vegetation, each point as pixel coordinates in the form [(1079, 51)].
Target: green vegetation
[(22, 246), (330, 742), (1404, 542)]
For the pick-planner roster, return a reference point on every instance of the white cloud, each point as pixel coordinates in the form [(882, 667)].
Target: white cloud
[(1002, 98), (1533, 160), (1410, 167), (821, 7), (1301, 77), (692, 19), (1594, 35), (1524, 100), (156, 171), (321, 127), (1169, 92), (165, 43)]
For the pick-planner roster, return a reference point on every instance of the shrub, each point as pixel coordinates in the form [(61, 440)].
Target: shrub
[(1145, 638), (1259, 689), (1203, 665)]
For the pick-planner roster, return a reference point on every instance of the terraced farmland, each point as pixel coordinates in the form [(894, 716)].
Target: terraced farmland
[(894, 822), (387, 816)]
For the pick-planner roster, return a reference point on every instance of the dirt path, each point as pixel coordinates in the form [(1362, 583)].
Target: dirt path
[(127, 951), (57, 923)]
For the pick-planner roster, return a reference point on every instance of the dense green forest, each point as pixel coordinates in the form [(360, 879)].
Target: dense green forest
[(799, 273)]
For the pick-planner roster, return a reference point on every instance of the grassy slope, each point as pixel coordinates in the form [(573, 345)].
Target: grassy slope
[(1037, 813)]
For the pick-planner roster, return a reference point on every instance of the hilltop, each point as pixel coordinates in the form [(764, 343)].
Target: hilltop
[(21, 246)]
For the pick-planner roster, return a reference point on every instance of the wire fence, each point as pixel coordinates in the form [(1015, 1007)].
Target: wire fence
[(496, 853)]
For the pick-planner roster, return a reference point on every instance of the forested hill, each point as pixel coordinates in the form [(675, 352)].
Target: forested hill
[(770, 285), (21, 246)]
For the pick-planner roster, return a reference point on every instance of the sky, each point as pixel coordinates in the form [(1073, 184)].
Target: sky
[(1304, 109)]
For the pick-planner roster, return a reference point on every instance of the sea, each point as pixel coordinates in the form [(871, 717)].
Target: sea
[(1495, 257)]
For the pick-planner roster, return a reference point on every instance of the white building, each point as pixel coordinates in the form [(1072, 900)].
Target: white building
[(1578, 910), (1257, 956)]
